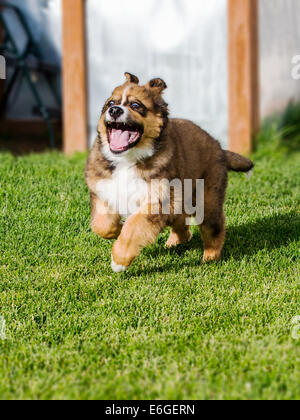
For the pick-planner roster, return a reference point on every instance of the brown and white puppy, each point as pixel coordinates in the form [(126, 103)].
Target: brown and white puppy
[(136, 144)]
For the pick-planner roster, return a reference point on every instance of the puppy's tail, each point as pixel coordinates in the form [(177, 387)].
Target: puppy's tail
[(238, 163)]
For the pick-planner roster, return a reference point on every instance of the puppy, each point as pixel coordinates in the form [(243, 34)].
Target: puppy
[(138, 144)]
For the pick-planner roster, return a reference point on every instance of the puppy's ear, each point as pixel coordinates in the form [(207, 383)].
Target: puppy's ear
[(131, 78), (158, 84)]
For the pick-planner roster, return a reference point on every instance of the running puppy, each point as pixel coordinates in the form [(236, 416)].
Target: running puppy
[(137, 143)]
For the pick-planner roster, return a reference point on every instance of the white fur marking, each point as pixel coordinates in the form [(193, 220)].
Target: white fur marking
[(133, 155), (117, 268), (124, 97), (125, 192)]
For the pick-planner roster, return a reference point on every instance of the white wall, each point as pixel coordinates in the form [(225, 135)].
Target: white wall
[(182, 41), (279, 42)]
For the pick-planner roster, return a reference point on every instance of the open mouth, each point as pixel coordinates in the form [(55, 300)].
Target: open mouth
[(123, 136)]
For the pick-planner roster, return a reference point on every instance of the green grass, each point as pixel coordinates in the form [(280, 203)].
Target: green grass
[(169, 328)]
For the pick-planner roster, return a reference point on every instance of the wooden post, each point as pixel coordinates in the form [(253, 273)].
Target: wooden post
[(74, 77), (243, 54)]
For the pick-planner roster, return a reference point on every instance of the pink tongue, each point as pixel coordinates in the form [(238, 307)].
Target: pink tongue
[(119, 139)]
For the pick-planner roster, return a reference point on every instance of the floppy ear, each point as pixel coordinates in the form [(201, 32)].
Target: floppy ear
[(158, 84), (131, 78)]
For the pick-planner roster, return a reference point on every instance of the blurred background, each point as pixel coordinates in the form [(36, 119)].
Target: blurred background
[(183, 42)]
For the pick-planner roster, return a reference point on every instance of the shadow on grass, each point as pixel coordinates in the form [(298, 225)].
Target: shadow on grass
[(244, 240), (268, 233)]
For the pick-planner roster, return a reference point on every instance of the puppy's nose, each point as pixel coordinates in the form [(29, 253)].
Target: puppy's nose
[(115, 112)]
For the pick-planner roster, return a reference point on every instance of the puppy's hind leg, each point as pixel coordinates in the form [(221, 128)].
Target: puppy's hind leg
[(180, 233), (213, 234), (213, 230)]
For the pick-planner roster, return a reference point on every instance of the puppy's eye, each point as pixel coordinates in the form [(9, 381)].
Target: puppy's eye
[(111, 103), (135, 106)]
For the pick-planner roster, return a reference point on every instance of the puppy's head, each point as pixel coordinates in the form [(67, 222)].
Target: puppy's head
[(134, 116)]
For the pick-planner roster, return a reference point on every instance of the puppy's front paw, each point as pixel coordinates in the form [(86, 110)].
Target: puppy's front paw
[(117, 268)]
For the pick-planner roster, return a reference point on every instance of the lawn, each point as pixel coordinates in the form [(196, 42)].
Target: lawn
[(170, 327)]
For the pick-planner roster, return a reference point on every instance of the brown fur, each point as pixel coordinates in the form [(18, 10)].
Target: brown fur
[(182, 151)]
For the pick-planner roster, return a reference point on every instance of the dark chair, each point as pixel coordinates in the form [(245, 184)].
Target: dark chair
[(25, 64)]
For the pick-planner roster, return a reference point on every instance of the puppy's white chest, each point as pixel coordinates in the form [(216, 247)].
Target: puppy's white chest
[(125, 192)]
